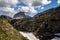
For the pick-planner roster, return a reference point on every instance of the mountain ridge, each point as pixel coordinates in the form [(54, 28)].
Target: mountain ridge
[(20, 15), (42, 23)]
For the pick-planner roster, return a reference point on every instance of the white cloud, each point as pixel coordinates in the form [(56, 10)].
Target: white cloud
[(8, 2), (30, 8), (5, 6), (27, 9), (36, 2), (32, 4), (7, 10), (58, 1), (45, 2)]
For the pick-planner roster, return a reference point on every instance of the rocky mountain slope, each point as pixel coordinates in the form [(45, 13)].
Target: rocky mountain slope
[(49, 22), (21, 15), (7, 31), (25, 24), (44, 25)]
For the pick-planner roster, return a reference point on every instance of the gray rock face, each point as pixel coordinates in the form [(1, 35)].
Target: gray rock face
[(27, 16), (20, 15)]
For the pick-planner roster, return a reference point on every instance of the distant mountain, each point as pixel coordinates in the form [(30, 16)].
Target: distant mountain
[(27, 16), (20, 15), (7, 31)]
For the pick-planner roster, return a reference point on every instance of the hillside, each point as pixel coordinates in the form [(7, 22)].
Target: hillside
[(20, 15), (7, 32), (21, 24), (44, 25), (49, 23)]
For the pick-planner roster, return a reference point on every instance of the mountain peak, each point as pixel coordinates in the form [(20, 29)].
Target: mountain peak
[(21, 15)]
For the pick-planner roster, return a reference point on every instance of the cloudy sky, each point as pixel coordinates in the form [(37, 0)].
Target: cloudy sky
[(30, 7)]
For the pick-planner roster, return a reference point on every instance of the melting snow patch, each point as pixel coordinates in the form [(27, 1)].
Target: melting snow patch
[(56, 38), (30, 36)]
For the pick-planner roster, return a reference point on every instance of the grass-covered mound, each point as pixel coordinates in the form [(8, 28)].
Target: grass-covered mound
[(7, 32)]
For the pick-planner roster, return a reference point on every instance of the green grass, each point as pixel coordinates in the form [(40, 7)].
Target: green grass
[(7, 32)]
